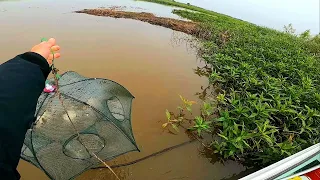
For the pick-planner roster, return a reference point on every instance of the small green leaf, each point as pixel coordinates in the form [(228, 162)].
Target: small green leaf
[(174, 121), (180, 119), (224, 137), (58, 76), (199, 120), (189, 108), (168, 115), (199, 132), (44, 39), (244, 142), (220, 119), (175, 127), (253, 115), (164, 125), (302, 140), (192, 128), (292, 111), (182, 99), (231, 153)]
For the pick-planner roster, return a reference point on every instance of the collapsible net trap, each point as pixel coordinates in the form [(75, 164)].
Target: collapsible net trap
[(87, 117)]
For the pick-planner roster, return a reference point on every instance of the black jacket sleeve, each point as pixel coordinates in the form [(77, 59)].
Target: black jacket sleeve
[(22, 80)]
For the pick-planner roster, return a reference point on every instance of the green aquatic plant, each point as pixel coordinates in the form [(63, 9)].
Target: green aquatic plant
[(171, 121), (200, 125), (186, 104), (175, 120), (197, 124)]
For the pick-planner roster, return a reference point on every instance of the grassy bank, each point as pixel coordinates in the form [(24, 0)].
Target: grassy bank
[(186, 6), (181, 5), (267, 84)]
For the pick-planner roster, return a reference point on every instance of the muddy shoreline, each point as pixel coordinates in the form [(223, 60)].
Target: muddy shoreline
[(187, 27)]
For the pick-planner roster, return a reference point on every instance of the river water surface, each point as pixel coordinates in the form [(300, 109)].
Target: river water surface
[(140, 56)]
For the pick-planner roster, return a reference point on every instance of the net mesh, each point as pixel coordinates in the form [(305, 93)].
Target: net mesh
[(100, 111)]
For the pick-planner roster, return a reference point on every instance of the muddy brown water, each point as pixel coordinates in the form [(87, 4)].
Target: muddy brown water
[(137, 55)]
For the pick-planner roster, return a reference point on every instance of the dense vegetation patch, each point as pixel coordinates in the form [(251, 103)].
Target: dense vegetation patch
[(267, 88)]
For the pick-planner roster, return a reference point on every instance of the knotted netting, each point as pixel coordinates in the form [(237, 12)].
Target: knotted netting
[(86, 117)]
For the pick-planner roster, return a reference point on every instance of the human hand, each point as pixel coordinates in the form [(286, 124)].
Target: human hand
[(48, 50)]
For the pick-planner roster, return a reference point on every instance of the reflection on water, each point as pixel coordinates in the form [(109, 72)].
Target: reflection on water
[(137, 55), (61, 6)]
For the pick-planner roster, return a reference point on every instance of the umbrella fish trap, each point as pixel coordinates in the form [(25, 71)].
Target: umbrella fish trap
[(87, 117)]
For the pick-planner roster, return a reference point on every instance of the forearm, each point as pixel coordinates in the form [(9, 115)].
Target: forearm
[(22, 80)]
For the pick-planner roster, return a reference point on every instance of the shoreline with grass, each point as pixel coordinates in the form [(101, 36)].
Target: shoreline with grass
[(188, 6), (268, 88), (267, 103)]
